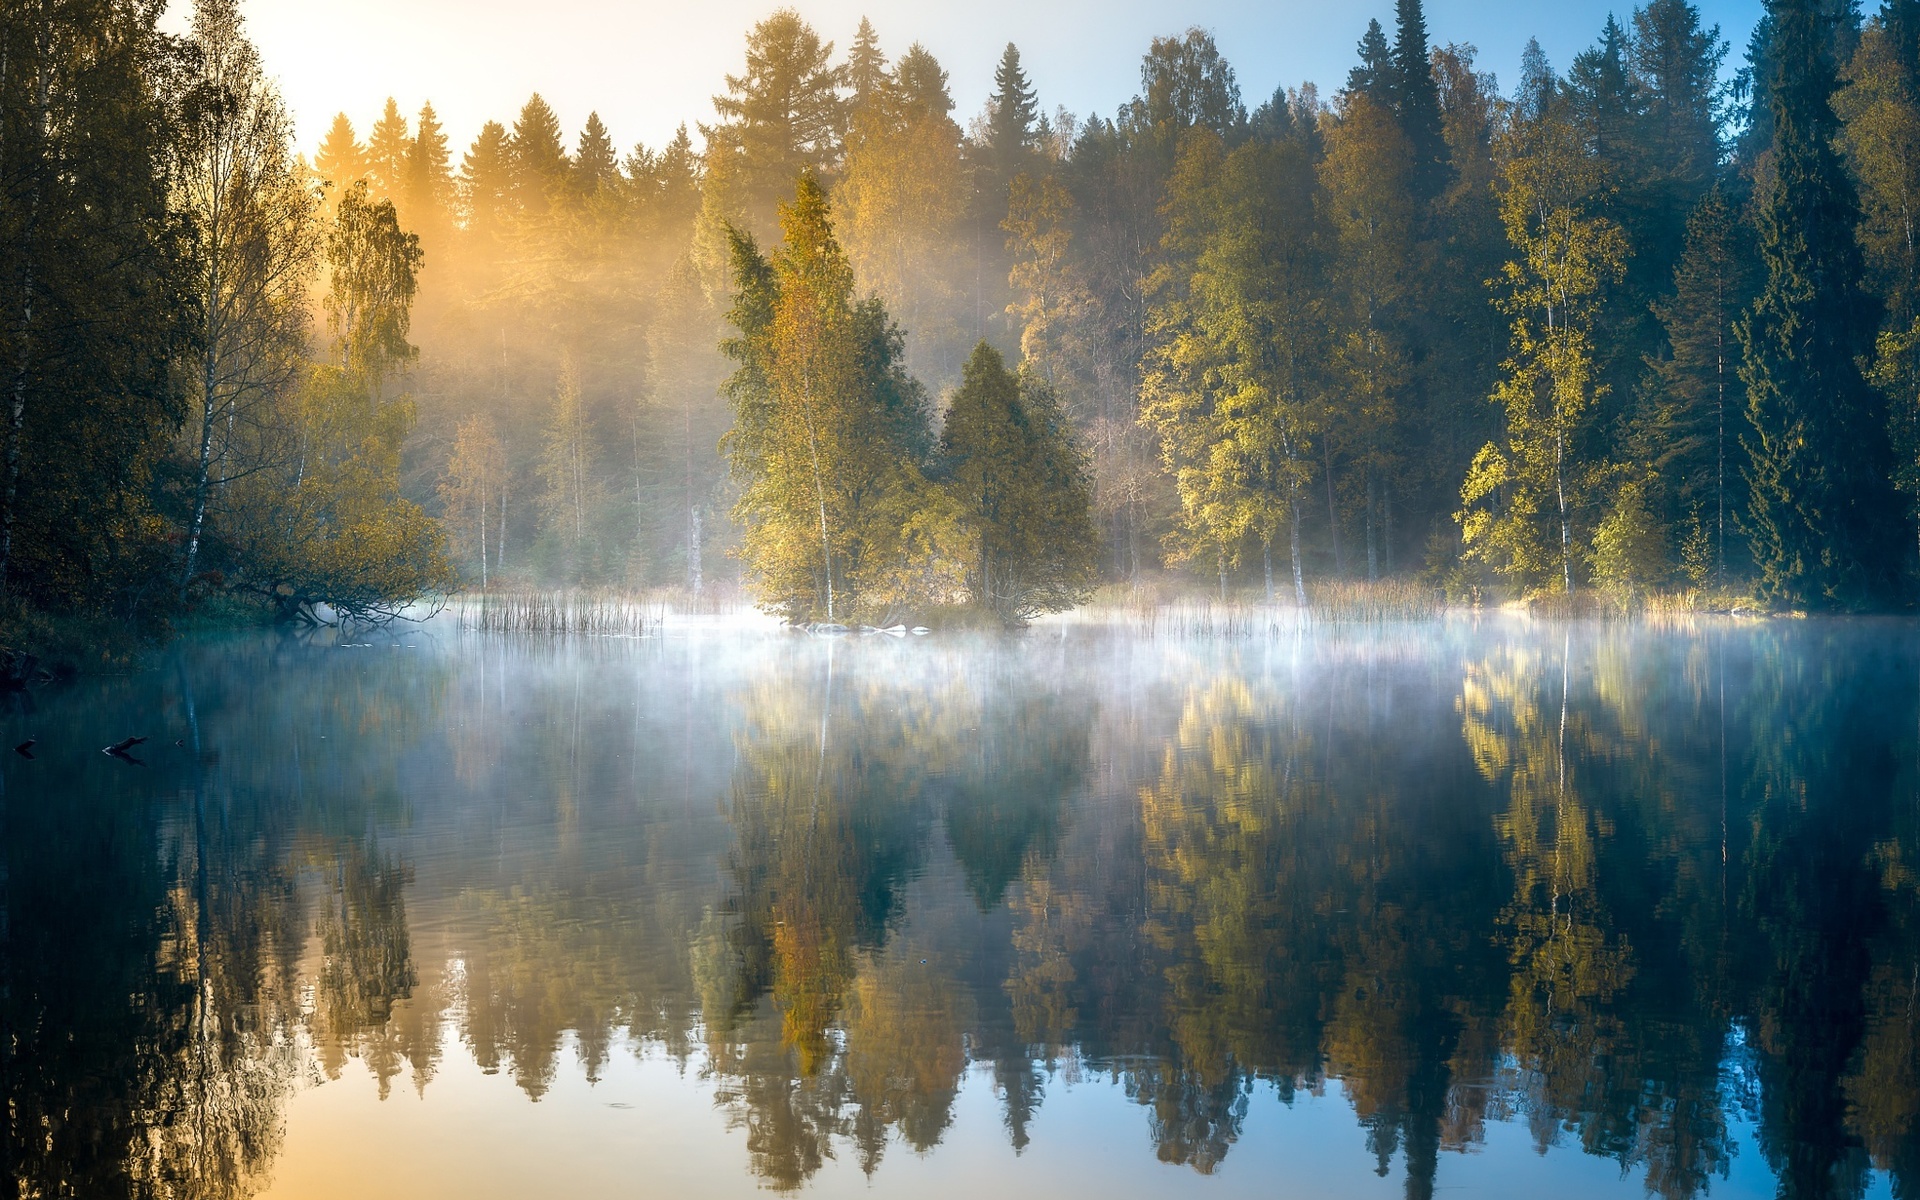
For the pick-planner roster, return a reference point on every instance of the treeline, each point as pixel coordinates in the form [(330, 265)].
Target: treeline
[(1613, 329), (182, 417), (1623, 328)]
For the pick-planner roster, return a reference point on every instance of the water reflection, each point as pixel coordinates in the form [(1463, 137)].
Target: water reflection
[(1652, 895)]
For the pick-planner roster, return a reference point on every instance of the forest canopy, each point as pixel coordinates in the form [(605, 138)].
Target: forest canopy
[(1645, 324)]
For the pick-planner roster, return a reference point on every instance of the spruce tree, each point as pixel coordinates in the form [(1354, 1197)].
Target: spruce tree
[(1821, 519), (829, 434), (595, 165), (1676, 74), (341, 160), (1693, 402), (1605, 99), (1373, 75), (387, 144), (1023, 493), (429, 172), (486, 181), (539, 159), (920, 86), (866, 70), (1417, 100), (1011, 113)]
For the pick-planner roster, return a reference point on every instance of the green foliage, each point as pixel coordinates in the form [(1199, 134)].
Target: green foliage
[(1528, 493), (1820, 518), (1629, 552), (1022, 492), (1693, 400), (782, 115), (93, 315), (829, 436), (1236, 330)]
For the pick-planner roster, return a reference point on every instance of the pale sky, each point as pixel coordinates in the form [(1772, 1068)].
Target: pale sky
[(646, 66)]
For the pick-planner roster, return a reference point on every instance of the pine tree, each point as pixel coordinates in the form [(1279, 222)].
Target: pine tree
[(387, 146), (1840, 22), (1373, 75), (919, 83), (783, 116), (539, 160), (1022, 491), (901, 198), (1821, 520), (1417, 100)]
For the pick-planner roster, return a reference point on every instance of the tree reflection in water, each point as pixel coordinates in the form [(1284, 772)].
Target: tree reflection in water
[(1637, 889)]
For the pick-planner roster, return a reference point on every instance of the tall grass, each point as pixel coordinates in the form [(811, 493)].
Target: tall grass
[(1160, 611), (565, 613)]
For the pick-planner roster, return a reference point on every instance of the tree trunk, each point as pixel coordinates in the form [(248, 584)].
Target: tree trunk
[(1299, 580), (500, 539), (1373, 550), (1266, 554), (820, 498), (1333, 515), (1560, 491), (695, 579)]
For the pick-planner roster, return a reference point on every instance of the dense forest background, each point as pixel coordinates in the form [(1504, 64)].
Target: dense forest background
[(1645, 324)]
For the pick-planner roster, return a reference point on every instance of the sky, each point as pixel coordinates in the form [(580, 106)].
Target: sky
[(647, 66)]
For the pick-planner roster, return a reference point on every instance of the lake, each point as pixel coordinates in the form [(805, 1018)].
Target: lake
[(1482, 906)]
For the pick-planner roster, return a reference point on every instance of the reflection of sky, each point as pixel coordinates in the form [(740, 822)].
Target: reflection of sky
[(645, 1129), (647, 66)]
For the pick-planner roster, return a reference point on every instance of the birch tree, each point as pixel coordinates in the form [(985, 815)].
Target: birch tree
[(255, 242), (1527, 493)]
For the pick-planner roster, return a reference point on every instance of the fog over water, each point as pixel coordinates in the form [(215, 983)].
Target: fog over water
[(1479, 904)]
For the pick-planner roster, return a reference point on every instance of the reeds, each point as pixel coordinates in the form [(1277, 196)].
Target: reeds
[(565, 613), (1153, 613)]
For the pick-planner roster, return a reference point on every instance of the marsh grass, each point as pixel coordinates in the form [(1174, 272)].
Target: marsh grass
[(565, 613), (1160, 610)]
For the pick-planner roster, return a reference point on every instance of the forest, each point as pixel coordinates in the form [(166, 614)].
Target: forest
[(1647, 326)]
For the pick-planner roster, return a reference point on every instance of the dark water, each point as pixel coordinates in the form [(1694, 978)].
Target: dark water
[(1483, 909)]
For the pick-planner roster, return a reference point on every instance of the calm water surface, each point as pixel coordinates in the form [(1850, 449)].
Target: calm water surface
[(1485, 908)]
